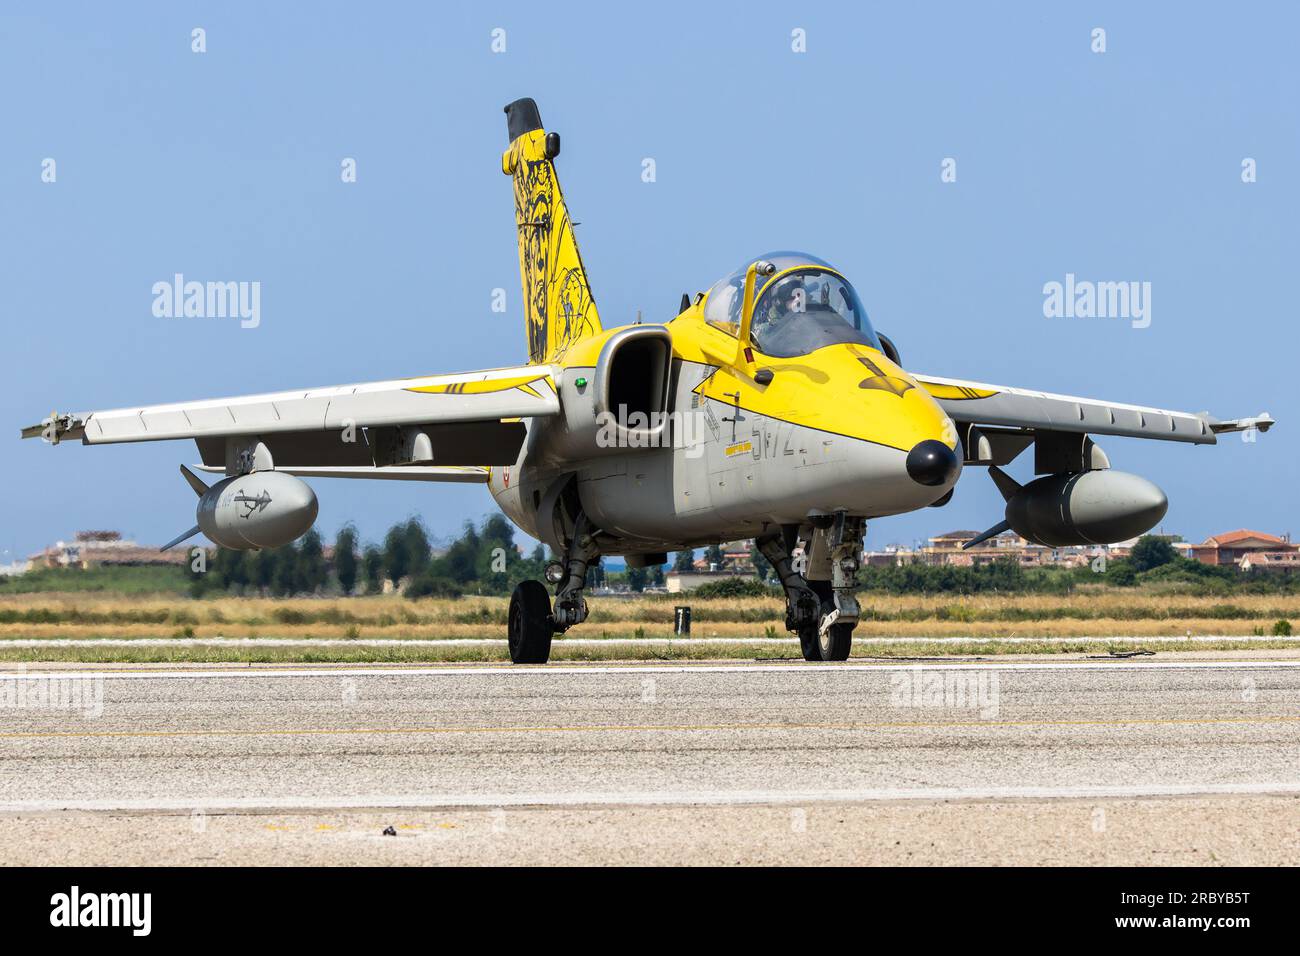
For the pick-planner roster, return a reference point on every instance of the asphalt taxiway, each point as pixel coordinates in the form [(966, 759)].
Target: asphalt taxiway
[(1189, 760)]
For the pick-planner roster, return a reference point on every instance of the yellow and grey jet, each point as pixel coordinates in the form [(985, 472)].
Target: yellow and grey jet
[(767, 408)]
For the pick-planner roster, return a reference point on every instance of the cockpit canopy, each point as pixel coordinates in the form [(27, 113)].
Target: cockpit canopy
[(805, 305)]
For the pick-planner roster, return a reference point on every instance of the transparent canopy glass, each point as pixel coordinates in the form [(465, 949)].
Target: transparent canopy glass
[(796, 312)]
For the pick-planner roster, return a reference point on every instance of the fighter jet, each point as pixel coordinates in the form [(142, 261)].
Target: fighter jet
[(768, 407)]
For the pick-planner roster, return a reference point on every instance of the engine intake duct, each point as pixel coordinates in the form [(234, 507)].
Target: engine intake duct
[(625, 403)]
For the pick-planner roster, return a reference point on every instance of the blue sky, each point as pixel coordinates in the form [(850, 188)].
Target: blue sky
[(1123, 165)]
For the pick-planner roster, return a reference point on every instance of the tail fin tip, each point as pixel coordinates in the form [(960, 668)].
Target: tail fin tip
[(522, 117)]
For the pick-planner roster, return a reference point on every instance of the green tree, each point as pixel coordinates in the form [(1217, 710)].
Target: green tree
[(345, 558), (684, 561), (418, 548), (498, 557), (714, 556), (261, 570), (372, 565), (311, 571), (1121, 573), (1151, 552), (499, 532), (461, 561), (397, 559), (286, 571), (230, 569), (636, 578), (731, 587)]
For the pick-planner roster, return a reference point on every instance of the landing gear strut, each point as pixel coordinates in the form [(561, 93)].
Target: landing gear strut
[(836, 549), (820, 605), (533, 621), (802, 603)]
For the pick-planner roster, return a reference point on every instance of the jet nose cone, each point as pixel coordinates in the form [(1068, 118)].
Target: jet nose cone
[(932, 463)]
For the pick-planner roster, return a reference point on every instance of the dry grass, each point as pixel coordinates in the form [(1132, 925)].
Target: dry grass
[(1098, 613)]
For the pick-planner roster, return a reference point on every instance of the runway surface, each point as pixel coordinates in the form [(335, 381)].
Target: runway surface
[(1070, 761)]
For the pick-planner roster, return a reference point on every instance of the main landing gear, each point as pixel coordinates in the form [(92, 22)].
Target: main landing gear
[(820, 605), (532, 621)]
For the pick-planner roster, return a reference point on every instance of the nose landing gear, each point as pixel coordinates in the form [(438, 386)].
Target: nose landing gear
[(820, 604)]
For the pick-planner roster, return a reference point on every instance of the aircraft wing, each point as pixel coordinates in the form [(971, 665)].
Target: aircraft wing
[(524, 392), (977, 403), (432, 428)]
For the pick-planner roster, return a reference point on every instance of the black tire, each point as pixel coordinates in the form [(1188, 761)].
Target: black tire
[(808, 631), (808, 644), (835, 644), (530, 626)]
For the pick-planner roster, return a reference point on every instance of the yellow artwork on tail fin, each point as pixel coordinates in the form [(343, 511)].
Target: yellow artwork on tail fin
[(558, 306)]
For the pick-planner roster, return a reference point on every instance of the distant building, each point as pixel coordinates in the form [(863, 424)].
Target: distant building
[(736, 557), (949, 549), (894, 555), (1271, 561), (89, 549), (1265, 551), (678, 582), (1232, 546)]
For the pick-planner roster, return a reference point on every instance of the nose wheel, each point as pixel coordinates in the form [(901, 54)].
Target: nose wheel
[(830, 643), (835, 642), (820, 610)]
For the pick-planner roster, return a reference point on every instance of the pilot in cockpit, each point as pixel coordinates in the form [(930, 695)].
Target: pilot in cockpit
[(788, 297)]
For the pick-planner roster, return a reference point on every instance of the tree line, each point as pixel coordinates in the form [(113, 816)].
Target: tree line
[(484, 560)]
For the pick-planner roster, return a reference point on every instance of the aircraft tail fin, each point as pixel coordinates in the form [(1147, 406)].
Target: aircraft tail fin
[(558, 306)]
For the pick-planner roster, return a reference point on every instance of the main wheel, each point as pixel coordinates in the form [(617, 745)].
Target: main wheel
[(530, 626), (808, 630), (808, 643)]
